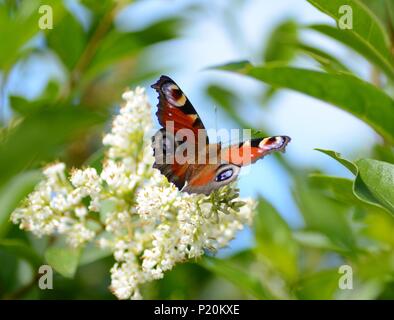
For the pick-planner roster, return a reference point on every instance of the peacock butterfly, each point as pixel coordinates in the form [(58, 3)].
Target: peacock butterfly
[(182, 150)]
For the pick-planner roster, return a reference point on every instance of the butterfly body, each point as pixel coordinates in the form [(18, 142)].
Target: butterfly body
[(182, 150)]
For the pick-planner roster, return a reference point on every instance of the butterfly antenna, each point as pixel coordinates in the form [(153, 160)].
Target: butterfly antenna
[(216, 120)]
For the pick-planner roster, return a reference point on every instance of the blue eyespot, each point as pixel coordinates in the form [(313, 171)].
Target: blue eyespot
[(224, 175)]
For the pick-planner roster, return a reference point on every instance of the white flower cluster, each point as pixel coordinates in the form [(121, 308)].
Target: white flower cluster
[(130, 208), (56, 206)]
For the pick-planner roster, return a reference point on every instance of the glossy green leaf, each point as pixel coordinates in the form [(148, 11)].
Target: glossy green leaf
[(63, 259), (365, 24), (275, 241), (374, 183), (378, 176), (355, 44), (360, 190), (366, 28), (337, 156), (347, 92)]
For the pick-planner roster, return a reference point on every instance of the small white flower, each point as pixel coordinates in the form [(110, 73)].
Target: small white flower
[(55, 170), (81, 212), (147, 223)]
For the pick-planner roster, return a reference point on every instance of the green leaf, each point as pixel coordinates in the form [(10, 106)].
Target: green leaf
[(374, 183), (337, 188), (380, 8), (378, 177), (96, 159), (379, 226), (98, 8), (118, 45), (337, 156), (325, 216), (327, 61), (355, 44), (362, 192), (8, 271), (68, 40), (242, 279), (92, 253), (25, 107), (383, 153), (390, 9), (12, 193), (281, 45), (351, 94), (41, 136), (315, 240), (275, 241), (22, 250), (63, 259), (107, 206), (368, 290), (366, 28), (319, 285), (24, 26)]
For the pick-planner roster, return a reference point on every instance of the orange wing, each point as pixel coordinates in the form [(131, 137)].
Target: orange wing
[(250, 151)]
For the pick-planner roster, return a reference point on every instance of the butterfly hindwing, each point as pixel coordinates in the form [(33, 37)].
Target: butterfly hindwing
[(164, 148), (209, 177), (250, 151)]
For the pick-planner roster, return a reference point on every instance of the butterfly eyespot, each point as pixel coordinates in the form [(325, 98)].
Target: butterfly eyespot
[(173, 94), (272, 142), (224, 175)]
